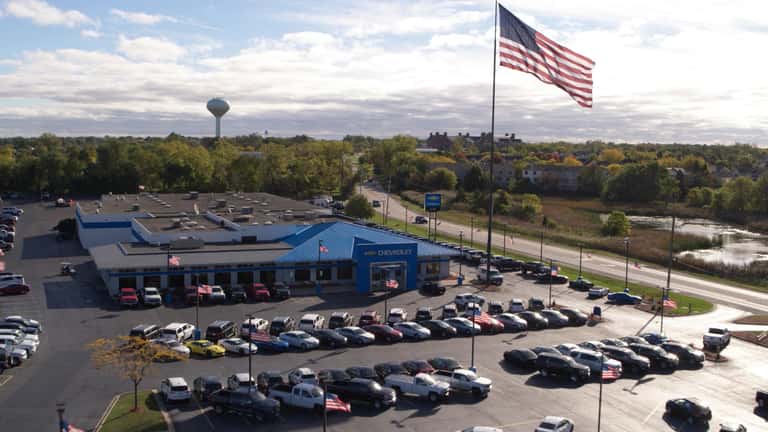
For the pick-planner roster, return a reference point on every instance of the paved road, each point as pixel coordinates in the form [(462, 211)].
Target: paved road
[(719, 293)]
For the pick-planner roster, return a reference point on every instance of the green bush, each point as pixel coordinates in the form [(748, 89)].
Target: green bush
[(617, 224)]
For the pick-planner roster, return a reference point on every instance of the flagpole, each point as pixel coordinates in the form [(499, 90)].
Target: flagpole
[(493, 147), (665, 291), (600, 398)]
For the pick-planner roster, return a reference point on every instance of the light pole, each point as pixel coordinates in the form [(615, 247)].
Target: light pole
[(250, 352), (325, 405), (581, 247), (472, 360), (550, 282), (406, 218), (626, 265), (504, 247), (600, 397), (60, 411), (472, 232), (541, 247), (665, 291), (461, 250)]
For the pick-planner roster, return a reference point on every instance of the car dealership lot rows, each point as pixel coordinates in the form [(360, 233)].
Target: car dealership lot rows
[(75, 314)]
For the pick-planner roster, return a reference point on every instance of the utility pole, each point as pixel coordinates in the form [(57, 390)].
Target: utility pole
[(600, 397), (581, 247), (389, 189), (472, 232), (504, 248), (461, 249), (250, 353), (406, 218), (665, 291), (550, 282), (325, 405), (472, 361), (626, 266), (541, 247)]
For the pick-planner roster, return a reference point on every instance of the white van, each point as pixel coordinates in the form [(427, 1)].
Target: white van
[(311, 322), (252, 326), (178, 331)]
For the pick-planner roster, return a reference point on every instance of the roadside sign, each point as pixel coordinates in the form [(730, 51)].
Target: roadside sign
[(432, 201)]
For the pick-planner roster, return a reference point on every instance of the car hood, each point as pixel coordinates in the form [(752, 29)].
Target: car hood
[(482, 381), (611, 363), (441, 385)]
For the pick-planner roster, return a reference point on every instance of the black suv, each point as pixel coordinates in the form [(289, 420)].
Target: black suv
[(391, 368), (279, 291), (363, 390), (433, 288), (562, 367), (329, 338), (205, 386), (580, 284), (253, 404), (659, 358), (220, 329), (423, 314), (237, 295), (575, 316), (685, 353), (508, 264), (534, 267), (266, 379), (340, 319), (630, 362)]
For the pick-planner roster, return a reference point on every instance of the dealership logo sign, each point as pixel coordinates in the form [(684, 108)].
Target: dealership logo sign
[(389, 252)]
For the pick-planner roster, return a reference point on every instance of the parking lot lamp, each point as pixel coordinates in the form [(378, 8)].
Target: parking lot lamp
[(250, 352), (626, 265), (60, 411), (581, 248), (541, 246), (600, 397), (472, 358), (550, 282), (504, 239), (472, 232), (461, 250)]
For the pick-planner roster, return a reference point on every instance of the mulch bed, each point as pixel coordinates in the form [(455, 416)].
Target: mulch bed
[(753, 319), (755, 337)]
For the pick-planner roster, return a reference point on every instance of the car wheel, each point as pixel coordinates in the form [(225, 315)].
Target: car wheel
[(304, 347), (242, 351), (432, 397), (377, 404)]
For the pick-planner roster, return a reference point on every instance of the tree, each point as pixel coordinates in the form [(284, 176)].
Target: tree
[(131, 357), (529, 207), (637, 182), (611, 156), (740, 193), (358, 207), (617, 224), (572, 161), (591, 180), (474, 179), (761, 194), (441, 179)]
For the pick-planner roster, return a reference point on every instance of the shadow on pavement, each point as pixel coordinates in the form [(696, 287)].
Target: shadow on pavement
[(45, 246), (517, 370), (537, 380), (681, 425)]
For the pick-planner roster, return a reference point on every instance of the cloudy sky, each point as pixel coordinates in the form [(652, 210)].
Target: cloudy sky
[(666, 71)]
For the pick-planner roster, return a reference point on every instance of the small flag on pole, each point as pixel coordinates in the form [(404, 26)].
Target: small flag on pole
[(260, 336), (2, 265), (553, 270), (334, 403), (611, 373), (392, 284), (174, 261), (524, 49), (2, 253), (141, 188), (669, 303), (323, 249), (204, 289)]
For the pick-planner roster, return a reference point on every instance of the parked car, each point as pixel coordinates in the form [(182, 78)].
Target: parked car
[(384, 333), (205, 386), (516, 305), (412, 331), (145, 331), (238, 346), (420, 220), (220, 329), (356, 335), (632, 339), (521, 357), (279, 291), (266, 379), (566, 348), (462, 300), (659, 358), (237, 294), (592, 345), (193, 296), (432, 288), (536, 304), (376, 203), (268, 343), (623, 298), (178, 331), (421, 385), (596, 362), (761, 398), (614, 342), (150, 296), (388, 368), (630, 362), (548, 277), (306, 396), (464, 380), (424, 313), (554, 318), (690, 409), (6, 246), (508, 264), (654, 338), (449, 311), (303, 375), (716, 339), (362, 372), (171, 344), (300, 339), (396, 315), (311, 321), (487, 323), (494, 276), (495, 307), (685, 353), (258, 292), (534, 267), (241, 382), (14, 289), (463, 326), (439, 329), (581, 284), (250, 404), (329, 338), (445, 363), (205, 348), (560, 366), (732, 427), (534, 319), (253, 325), (175, 389), (512, 322), (281, 324), (367, 318), (340, 319), (597, 292), (575, 317), (363, 390), (555, 424), (128, 298), (417, 366)]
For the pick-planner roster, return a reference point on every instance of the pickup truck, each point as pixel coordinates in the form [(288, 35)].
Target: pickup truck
[(421, 385), (307, 396), (716, 339), (464, 380), (761, 397), (597, 292)]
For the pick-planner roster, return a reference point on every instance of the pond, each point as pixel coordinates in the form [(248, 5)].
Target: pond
[(739, 246)]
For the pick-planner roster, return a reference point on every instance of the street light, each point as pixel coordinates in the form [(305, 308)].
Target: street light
[(581, 247), (250, 317), (461, 250), (472, 232), (541, 247), (626, 269), (60, 411), (550, 282)]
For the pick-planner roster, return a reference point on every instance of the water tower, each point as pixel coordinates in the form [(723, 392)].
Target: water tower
[(218, 107)]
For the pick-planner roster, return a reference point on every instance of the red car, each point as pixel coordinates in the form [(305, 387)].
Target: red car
[(418, 366), (192, 295), (368, 318), (384, 333), (258, 292), (128, 297), (14, 289)]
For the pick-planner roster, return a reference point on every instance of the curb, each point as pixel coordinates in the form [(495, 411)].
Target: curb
[(106, 413), (166, 417)]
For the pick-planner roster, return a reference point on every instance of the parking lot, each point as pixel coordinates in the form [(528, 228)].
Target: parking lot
[(74, 312)]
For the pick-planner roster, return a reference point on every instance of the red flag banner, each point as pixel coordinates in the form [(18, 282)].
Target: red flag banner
[(334, 403), (392, 284), (204, 289), (174, 261)]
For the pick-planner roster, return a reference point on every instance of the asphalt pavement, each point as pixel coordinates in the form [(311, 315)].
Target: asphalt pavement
[(77, 311)]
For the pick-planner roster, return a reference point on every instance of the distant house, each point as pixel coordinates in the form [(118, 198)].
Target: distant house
[(553, 177), (439, 141), (443, 142), (503, 171)]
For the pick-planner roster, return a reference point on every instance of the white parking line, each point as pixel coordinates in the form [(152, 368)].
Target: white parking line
[(518, 423), (656, 408), (4, 379)]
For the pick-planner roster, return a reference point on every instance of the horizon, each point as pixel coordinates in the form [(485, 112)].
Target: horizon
[(377, 69)]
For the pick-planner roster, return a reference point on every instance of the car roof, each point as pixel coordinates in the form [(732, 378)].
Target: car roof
[(553, 419), (174, 381), (304, 370), (337, 314), (241, 376), (310, 316)]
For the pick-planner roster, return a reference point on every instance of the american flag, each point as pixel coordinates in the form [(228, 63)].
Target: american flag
[(334, 403), (141, 188), (260, 336), (323, 249), (392, 284), (204, 289), (523, 48), (553, 271), (2, 253), (66, 427), (669, 303), (611, 373), (174, 261), (2, 265)]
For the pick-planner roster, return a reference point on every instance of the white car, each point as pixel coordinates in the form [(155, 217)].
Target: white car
[(397, 315), (252, 326), (311, 322), (175, 389), (18, 354), (594, 360), (150, 296), (412, 330), (566, 348), (19, 342), (217, 294), (238, 346), (462, 300), (179, 331), (241, 382), (15, 211), (303, 375), (25, 322), (494, 276), (555, 424), (516, 305), (300, 339), (592, 345), (174, 345), (512, 322)]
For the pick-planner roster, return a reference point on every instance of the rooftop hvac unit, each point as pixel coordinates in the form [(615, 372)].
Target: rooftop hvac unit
[(193, 194), (221, 203), (135, 207), (242, 218), (246, 210)]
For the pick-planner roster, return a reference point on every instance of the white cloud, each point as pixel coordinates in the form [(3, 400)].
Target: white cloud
[(42, 13), (149, 49), (141, 17), (90, 34)]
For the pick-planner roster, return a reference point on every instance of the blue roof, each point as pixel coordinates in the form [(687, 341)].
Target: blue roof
[(340, 238)]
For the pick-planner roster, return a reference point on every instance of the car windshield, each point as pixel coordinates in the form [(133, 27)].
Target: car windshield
[(426, 379), (150, 290), (303, 336), (547, 426), (315, 392), (356, 330)]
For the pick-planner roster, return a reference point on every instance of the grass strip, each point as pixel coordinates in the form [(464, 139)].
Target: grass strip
[(148, 418)]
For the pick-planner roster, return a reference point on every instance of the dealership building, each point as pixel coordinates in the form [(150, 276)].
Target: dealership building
[(243, 238)]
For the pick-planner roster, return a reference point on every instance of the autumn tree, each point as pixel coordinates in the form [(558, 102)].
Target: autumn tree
[(611, 156), (617, 224), (131, 358)]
